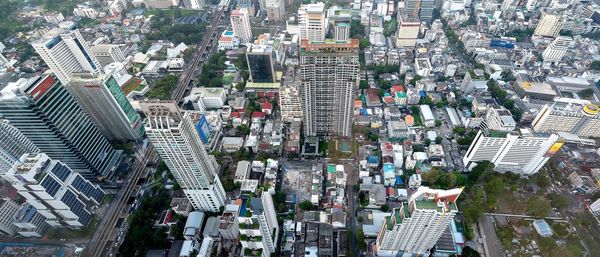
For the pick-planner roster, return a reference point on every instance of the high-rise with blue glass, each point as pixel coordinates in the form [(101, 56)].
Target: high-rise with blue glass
[(45, 112), (105, 102)]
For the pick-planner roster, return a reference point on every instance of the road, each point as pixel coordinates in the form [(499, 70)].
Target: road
[(351, 197), (96, 246), (491, 243), (190, 71)]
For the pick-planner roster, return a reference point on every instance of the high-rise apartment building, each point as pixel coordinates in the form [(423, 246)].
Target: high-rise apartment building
[(240, 24), (248, 5), (522, 152), (289, 103), (312, 22), (13, 144), (416, 226), (105, 102), (422, 9), (44, 111), (107, 54), (260, 229), (62, 196), (261, 63), (499, 119), (549, 25), (329, 71), (578, 117), (408, 30), (8, 208), (557, 49), (29, 222), (65, 51), (177, 141)]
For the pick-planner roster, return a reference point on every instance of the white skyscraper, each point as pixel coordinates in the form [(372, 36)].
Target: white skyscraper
[(8, 208), (499, 118), (549, 25), (177, 140), (416, 226), (65, 51), (240, 23), (289, 101), (329, 71), (62, 196), (105, 102), (521, 152), (557, 49), (312, 22)]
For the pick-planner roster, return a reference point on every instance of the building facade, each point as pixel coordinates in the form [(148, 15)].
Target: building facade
[(62, 196), (260, 230), (416, 226), (261, 63), (522, 153), (107, 105), (178, 143), (549, 25), (13, 144), (240, 24), (107, 54), (44, 111), (329, 71), (499, 119), (573, 116), (557, 49), (65, 51), (312, 22), (408, 30), (8, 208), (289, 103)]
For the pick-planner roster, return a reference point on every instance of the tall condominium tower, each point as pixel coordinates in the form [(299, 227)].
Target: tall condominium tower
[(422, 9), (416, 226), (549, 25), (13, 144), (578, 117), (49, 116), (557, 49), (107, 53), (261, 63), (408, 30), (240, 23), (177, 140), (105, 102), (312, 22), (62, 196), (329, 71), (520, 152), (260, 228), (65, 51)]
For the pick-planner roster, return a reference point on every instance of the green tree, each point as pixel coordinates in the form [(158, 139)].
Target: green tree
[(595, 65), (538, 206), (559, 201), (363, 43), (306, 205), (360, 239), (384, 208), (438, 140), (364, 84)]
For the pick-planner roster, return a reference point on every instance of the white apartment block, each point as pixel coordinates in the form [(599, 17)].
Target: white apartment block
[(62, 196), (557, 49), (240, 24), (178, 143), (500, 119), (416, 226), (13, 145), (521, 152), (107, 54), (329, 71), (203, 98), (259, 230), (65, 51), (290, 105), (275, 9), (549, 25), (312, 22), (85, 11), (8, 208), (578, 117), (193, 4)]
